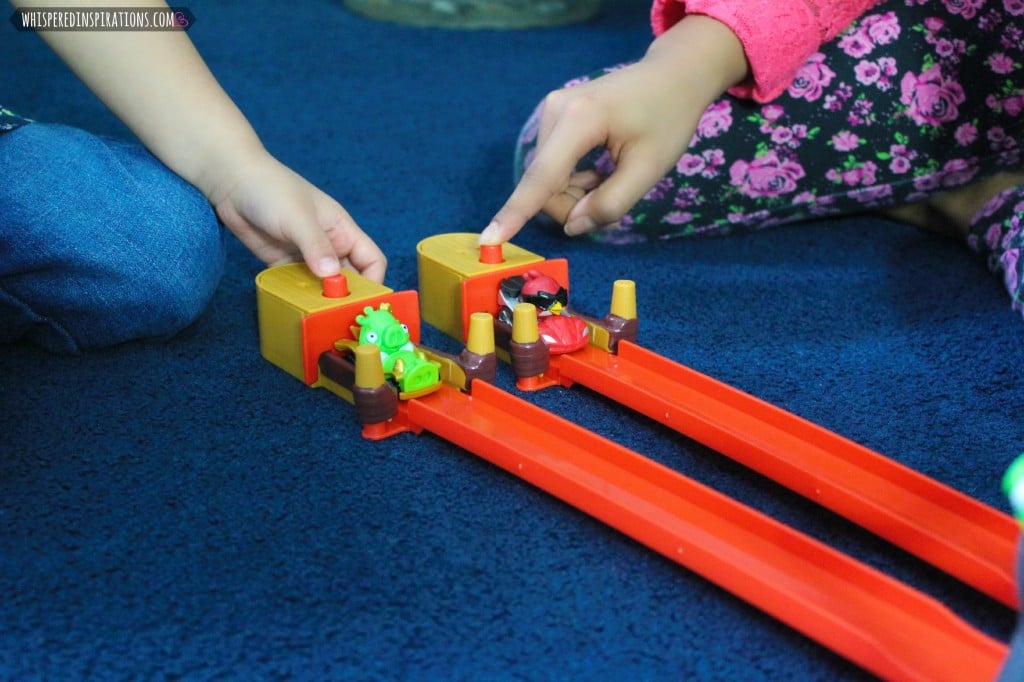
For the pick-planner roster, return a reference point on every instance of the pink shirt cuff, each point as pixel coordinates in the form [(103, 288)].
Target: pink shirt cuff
[(778, 36)]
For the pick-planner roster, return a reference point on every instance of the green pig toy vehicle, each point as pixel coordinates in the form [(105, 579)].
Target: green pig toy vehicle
[(403, 362)]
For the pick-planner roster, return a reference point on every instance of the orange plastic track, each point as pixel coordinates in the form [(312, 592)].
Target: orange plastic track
[(950, 530), (862, 614)]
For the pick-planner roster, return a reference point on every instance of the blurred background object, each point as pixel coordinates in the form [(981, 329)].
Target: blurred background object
[(492, 14)]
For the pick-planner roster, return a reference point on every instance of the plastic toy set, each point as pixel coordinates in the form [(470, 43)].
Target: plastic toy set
[(360, 341)]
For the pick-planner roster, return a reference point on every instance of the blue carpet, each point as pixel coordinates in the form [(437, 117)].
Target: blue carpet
[(185, 510)]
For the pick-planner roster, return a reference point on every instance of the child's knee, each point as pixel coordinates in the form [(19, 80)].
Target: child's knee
[(167, 289), (92, 304), (105, 244)]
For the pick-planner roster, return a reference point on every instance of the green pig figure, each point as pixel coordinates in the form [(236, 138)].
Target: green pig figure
[(408, 366)]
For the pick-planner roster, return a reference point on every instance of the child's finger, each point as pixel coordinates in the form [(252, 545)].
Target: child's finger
[(367, 259), (316, 248), (560, 206), (636, 172), (547, 177), (349, 241)]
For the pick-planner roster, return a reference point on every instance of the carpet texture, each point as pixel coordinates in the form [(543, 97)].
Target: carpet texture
[(185, 510)]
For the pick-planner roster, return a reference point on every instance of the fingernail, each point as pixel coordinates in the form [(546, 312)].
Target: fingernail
[(489, 235), (579, 225), (328, 266)]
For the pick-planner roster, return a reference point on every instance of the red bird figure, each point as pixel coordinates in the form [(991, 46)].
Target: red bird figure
[(560, 330)]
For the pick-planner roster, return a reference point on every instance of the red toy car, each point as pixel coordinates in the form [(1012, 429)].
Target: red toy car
[(560, 330)]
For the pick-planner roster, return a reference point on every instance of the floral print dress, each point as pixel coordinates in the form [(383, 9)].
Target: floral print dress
[(915, 98)]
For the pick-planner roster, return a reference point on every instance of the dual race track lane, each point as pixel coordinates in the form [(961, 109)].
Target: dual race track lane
[(871, 619)]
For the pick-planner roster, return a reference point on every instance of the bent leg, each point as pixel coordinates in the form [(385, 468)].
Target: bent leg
[(99, 242), (910, 102), (913, 101), (997, 234)]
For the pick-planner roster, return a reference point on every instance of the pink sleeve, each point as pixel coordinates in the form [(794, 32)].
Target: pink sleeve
[(777, 35)]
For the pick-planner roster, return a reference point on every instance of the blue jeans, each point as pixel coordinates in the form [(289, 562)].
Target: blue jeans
[(100, 243)]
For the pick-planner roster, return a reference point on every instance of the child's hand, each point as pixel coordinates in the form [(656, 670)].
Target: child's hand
[(636, 114), (160, 87), (281, 217), (645, 115)]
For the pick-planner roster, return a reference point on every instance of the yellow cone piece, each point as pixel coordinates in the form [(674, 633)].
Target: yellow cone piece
[(480, 339), (624, 299), (369, 369), (524, 323)]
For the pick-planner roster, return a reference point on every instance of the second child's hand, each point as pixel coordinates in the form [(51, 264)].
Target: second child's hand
[(645, 114)]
